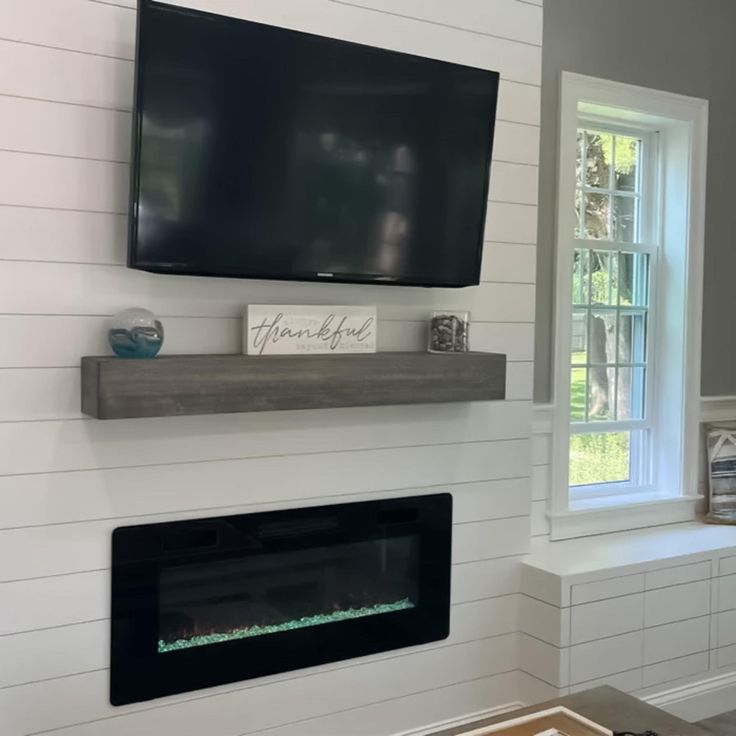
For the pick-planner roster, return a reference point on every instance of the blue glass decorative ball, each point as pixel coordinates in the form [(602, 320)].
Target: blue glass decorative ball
[(136, 333)]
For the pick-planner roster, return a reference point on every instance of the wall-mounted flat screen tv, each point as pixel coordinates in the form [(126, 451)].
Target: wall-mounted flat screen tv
[(261, 152)]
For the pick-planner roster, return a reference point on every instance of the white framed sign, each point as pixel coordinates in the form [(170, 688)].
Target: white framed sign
[(270, 329)]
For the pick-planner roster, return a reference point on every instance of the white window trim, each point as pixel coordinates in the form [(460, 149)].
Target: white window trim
[(683, 126)]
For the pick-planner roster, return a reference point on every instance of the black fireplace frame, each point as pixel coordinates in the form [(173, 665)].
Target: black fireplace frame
[(139, 672)]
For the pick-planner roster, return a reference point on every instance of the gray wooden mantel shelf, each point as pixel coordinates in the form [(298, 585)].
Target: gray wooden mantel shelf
[(115, 388)]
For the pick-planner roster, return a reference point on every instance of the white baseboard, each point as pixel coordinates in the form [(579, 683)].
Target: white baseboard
[(465, 720), (694, 702)]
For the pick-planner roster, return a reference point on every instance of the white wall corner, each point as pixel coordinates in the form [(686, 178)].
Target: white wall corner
[(546, 662), (532, 690), (543, 585)]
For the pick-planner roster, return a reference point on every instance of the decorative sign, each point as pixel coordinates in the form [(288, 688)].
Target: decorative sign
[(289, 330)]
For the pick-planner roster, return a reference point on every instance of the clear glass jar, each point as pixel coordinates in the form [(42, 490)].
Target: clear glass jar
[(448, 332)]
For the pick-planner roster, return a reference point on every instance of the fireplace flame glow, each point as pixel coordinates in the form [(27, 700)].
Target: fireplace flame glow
[(301, 623)]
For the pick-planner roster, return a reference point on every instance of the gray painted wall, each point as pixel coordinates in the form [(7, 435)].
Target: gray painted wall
[(684, 46)]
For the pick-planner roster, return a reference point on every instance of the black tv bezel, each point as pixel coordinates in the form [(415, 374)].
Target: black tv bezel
[(314, 277)]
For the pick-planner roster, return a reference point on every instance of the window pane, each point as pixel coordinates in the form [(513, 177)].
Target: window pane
[(600, 458), (601, 353), (601, 392), (579, 342), (634, 279), (580, 276), (578, 214), (627, 163), (579, 158), (623, 221), (604, 279), (577, 394), (632, 337), (597, 212), (599, 147), (630, 392), (602, 337), (601, 341)]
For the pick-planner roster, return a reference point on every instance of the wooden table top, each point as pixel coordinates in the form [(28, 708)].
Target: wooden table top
[(608, 707)]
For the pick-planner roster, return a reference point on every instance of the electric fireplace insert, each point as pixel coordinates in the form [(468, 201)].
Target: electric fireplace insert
[(204, 602)]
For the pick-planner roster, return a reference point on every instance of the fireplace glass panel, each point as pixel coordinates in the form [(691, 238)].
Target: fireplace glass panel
[(203, 602), (214, 602)]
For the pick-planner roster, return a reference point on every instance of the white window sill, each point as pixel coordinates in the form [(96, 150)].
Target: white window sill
[(608, 514), (626, 551), (619, 500)]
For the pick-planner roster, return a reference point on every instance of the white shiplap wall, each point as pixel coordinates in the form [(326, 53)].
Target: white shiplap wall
[(66, 76), (541, 468)]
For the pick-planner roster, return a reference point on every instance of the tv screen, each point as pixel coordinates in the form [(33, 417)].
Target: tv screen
[(266, 153)]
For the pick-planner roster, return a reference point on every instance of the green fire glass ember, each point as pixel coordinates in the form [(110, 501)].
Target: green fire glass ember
[(300, 623)]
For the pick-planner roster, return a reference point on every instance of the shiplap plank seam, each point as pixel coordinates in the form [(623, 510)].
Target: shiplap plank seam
[(126, 162), (76, 367), (68, 337), (517, 122), (72, 103), (454, 443), (503, 74), (227, 317), (279, 680), (99, 620), (123, 266), (113, 4), (110, 108), (81, 547), (652, 590), (120, 265), (67, 49), (513, 556), (346, 3), (481, 707), (290, 724), (224, 442), (470, 621), (420, 19), (382, 702), (495, 558), (209, 510), (28, 130), (53, 101)]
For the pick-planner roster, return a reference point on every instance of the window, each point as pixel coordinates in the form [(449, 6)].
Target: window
[(612, 272), (629, 270)]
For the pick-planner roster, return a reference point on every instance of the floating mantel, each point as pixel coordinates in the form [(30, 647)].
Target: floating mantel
[(115, 388)]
